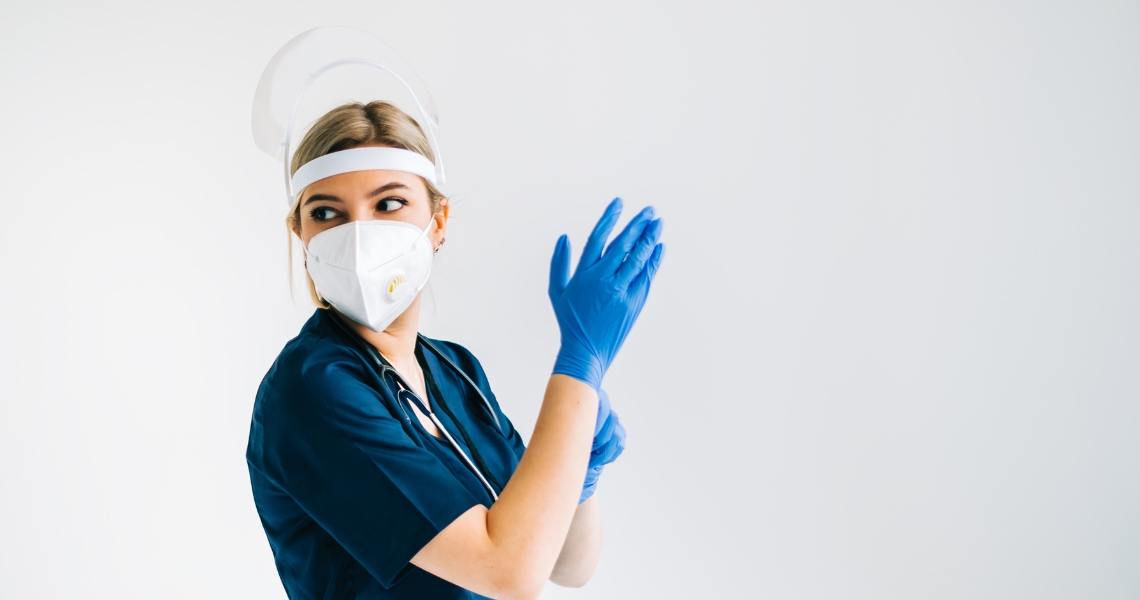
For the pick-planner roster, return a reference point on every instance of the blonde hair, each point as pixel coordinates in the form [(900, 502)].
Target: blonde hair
[(347, 126)]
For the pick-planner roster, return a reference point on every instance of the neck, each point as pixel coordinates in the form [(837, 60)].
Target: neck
[(397, 343)]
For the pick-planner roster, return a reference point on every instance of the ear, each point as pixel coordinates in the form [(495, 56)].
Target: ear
[(294, 220), (295, 226), (441, 216)]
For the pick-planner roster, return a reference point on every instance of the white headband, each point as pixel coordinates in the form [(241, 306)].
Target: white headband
[(362, 159)]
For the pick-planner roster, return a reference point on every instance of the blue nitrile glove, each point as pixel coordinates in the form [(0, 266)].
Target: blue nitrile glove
[(597, 307), (609, 441)]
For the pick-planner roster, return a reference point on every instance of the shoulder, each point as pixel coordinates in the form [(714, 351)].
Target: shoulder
[(460, 355), (451, 349), (321, 385), (314, 355), (316, 363)]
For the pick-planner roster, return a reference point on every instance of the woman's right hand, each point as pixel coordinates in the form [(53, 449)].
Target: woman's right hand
[(609, 442), (598, 305)]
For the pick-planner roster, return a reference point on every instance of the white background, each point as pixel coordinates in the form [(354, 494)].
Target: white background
[(892, 352)]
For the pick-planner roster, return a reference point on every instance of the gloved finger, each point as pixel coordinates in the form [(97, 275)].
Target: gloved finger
[(559, 267), (606, 431), (642, 250), (590, 485), (597, 240), (593, 472), (654, 261), (618, 436), (620, 247), (611, 450), (645, 277), (603, 411)]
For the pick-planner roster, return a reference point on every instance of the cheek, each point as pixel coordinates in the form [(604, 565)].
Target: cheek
[(310, 228)]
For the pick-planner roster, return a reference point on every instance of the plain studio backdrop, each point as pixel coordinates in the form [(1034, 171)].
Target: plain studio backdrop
[(892, 352)]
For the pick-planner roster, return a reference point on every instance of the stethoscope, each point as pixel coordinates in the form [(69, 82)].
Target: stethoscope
[(407, 394)]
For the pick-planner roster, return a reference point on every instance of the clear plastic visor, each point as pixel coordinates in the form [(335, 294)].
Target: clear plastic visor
[(277, 104)]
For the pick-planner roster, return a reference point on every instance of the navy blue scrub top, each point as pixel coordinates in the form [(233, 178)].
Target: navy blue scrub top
[(348, 483)]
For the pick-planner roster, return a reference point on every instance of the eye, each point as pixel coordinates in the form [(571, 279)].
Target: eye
[(321, 214), (390, 204)]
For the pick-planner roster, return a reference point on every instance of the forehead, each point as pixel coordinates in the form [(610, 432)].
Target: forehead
[(363, 183)]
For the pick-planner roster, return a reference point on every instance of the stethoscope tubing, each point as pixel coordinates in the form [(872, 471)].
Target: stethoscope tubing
[(451, 440), (455, 367), (385, 369)]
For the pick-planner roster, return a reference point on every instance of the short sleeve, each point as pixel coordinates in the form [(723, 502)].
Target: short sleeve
[(512, 434), (350, 464)]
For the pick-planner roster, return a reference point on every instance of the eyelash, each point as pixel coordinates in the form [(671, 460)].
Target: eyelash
[(314, 213), (401, 202), (321, 210)]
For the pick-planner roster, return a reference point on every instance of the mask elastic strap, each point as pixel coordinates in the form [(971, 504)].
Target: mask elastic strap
[(304, 249), (423, 235), (408, 250)]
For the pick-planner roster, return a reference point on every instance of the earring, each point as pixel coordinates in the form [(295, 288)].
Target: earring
[(441, 242)]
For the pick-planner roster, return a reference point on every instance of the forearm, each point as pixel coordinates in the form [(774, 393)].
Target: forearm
[(583, 546), (509, 551), (531, 519)]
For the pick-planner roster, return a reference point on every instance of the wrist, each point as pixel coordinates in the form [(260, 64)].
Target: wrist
[(593, 474), (579, 365)]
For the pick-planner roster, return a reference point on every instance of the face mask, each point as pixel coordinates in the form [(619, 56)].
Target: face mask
[(370, 270)]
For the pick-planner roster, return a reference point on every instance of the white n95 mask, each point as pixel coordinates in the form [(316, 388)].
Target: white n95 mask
[(370, 270)]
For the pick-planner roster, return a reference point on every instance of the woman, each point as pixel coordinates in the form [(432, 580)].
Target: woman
[(381, 464)]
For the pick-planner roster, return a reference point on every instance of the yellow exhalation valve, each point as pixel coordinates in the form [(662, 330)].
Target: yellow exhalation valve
[(395, 282)]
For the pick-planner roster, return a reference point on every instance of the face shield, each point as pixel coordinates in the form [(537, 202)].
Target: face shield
[(319, 53)]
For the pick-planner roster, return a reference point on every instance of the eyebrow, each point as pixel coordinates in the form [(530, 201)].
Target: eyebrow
[(376, 192), (386, 187), (325, 197)]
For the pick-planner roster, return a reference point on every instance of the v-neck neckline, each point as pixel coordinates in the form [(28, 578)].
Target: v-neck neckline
[(427, 399)]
